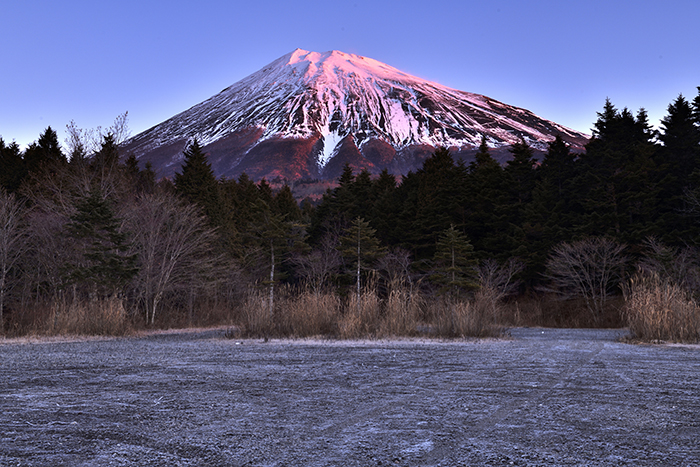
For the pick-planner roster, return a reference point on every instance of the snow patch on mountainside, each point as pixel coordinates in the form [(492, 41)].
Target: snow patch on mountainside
[(330, 144), (333, 94)]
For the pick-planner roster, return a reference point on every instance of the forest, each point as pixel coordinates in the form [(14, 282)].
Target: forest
[(91, 242)]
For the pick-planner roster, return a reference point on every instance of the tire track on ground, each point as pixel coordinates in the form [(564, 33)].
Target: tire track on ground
[(445, 448)]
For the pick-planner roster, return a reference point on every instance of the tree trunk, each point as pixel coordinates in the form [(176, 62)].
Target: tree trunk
[(358, 266), (272, 277)]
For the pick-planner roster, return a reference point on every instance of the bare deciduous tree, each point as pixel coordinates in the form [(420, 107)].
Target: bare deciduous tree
[(87, 142), (395, 266), (174, 246), (589, 268), (13, 242), (678, 265), (318, 266), (500, 278)]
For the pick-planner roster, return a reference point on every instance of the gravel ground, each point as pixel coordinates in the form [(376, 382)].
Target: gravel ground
[(541, 397)]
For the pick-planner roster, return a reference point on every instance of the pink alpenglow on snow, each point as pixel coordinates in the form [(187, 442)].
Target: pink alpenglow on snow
[(306, 114)]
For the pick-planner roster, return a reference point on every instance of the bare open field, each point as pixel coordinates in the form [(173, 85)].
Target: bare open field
[(543, 397)]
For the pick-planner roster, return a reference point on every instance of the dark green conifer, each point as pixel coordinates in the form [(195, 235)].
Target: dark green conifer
[(12, 168), (197, 182), (361, 248), (454, 265), (106, 263)]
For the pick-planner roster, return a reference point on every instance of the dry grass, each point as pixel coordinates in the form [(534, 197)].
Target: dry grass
[(467, 318), (658, 310), (107, 317), (401, 314), (309, 314)]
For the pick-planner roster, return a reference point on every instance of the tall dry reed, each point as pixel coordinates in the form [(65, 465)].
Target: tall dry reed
[(360, 318), (309, 314), (658, 310), (477, 317), (401, 315), (106, 317)]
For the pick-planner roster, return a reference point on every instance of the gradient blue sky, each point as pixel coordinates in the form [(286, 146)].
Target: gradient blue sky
[(89, 61)]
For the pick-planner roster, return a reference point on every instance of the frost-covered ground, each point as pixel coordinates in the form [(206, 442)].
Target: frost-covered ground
[(544, 397)]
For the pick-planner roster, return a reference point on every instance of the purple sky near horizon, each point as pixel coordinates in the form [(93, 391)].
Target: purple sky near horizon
[(90, 61)]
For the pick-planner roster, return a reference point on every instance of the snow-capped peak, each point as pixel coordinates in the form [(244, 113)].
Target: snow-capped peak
[(332, 95)]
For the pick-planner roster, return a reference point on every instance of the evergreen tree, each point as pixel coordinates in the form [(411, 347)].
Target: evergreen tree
[(107, 158), (521, 172), (45, 153), (285, 204), (106, 264), (197, 182), (550, 217), (696, 109), (383, 212), (361, 248), (679, 163), (337, 208), (613, 183), (487, 206), (437, 203), (12, 167), (454, 263), (276, 238)]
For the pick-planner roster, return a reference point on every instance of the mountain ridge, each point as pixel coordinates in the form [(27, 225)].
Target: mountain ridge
[(300, 116)]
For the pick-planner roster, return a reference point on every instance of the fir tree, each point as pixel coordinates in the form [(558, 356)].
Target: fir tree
[(454, 263), (106, 264), (12, 168), (613, 182), (45, 153), (107, 158), (197, 182), (361, 248), (439, 201), (285, 204), (487, 206), (550, 216), (276, 238)]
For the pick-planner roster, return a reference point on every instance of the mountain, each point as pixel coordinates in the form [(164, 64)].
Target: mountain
[(307, 114)]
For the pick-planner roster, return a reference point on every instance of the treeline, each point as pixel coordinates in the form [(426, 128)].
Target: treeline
[(88, 225)]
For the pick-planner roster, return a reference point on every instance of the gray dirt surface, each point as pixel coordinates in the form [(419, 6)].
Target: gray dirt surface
[(541, 397)]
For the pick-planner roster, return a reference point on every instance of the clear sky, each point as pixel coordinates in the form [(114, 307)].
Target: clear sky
[(89, 61)]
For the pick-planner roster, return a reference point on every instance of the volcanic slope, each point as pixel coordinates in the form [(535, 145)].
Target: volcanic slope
[(307, 114)]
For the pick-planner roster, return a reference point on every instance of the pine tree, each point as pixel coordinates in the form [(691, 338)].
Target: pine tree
[(454, 263)]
